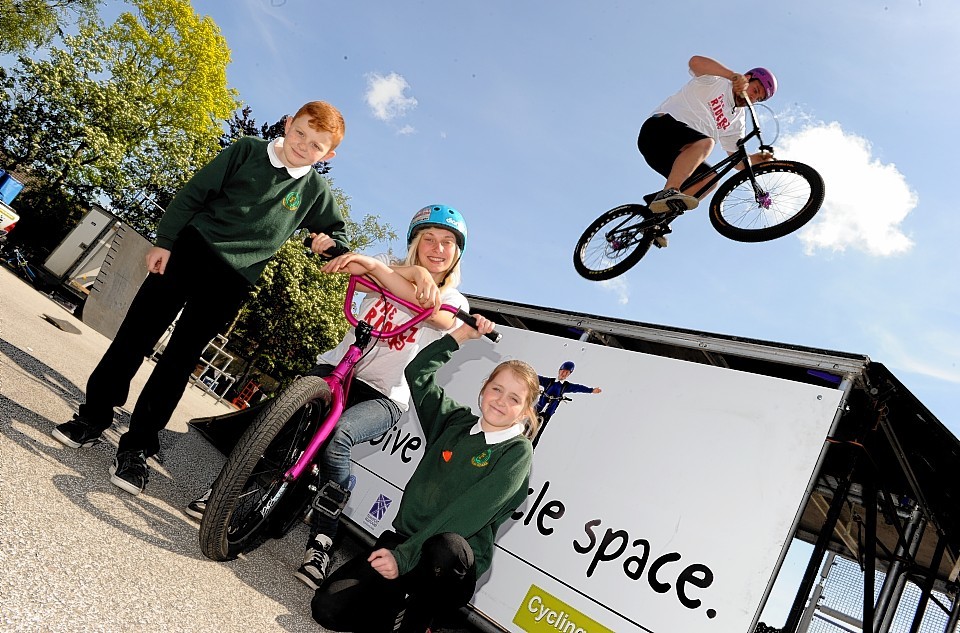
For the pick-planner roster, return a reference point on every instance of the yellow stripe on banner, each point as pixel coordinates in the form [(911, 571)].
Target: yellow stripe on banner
[(541, 612)]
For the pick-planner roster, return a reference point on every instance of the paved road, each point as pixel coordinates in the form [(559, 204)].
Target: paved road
[(79, 554)]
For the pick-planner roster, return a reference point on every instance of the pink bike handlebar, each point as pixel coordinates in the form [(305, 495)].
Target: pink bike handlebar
[(420, 314)]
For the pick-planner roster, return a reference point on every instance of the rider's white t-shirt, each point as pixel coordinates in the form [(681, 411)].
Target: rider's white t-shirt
[(706, 104), (382, 366)]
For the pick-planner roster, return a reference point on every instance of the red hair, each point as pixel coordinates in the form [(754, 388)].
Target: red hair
[(323, 117)]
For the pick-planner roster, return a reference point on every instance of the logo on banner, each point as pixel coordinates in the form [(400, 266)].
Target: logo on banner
[(377, 511), (542, 612)]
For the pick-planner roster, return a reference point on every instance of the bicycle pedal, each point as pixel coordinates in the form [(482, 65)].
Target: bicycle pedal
[(330, 499)]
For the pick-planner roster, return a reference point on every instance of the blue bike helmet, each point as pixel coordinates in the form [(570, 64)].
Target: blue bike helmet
[(440, 216), (567, 366)]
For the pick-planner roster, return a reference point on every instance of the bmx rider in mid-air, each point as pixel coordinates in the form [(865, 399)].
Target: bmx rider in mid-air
[(682, 132)]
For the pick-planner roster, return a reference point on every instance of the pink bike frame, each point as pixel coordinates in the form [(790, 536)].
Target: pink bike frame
[(340, 378)]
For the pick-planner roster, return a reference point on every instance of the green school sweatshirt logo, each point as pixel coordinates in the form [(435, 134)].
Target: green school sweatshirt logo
[(292, 200), (481, 460)]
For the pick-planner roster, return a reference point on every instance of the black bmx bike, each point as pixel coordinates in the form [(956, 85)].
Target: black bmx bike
[(761, 202)]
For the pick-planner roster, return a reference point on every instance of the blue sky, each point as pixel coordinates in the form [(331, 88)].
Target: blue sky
[(524, 116)]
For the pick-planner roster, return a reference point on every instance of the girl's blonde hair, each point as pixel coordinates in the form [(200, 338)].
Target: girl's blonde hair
[(452, 277), (528, 376)]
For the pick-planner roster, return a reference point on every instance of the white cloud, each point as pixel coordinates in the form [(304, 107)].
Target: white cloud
[(386, 96), (866, 199), (619, 287), (406, 129)]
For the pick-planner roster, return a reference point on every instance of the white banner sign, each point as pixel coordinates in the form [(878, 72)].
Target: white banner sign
[(659, 504)]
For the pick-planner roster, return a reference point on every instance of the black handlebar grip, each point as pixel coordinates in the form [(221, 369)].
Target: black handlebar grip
[(472, 322), (335, 251)]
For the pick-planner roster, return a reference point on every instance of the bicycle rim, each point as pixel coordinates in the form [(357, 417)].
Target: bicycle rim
[(249, 492), (266, 487), (789, 195), (613, 243)]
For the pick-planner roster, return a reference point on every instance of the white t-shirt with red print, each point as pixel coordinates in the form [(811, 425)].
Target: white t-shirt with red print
[(706, 104), (382, 366)]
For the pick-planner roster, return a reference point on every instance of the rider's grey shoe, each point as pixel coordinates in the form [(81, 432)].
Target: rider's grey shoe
[(672, 200), (316, 562), (661, 241)]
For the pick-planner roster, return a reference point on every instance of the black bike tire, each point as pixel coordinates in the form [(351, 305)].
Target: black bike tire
[(790, 222), (634, 255), (215, 538)]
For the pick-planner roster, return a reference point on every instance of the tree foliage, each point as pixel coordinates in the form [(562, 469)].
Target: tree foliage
[(27, 24), (122, 112), (295, 313)]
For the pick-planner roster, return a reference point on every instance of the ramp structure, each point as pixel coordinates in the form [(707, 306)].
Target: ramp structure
[(884, 496)]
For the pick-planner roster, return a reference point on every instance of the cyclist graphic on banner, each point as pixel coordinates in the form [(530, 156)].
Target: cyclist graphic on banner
[(554, 392)]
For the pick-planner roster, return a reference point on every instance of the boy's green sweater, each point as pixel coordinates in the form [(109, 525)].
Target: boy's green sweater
[(246, 208), (462, 484)]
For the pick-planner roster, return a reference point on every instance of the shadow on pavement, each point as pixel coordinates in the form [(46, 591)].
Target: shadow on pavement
[(154, 518), (44, 374)]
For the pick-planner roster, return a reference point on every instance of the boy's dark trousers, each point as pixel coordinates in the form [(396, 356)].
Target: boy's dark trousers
[(210, 293)]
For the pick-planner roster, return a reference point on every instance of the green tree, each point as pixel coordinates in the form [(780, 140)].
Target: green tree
[(124, 112), (27, 24)]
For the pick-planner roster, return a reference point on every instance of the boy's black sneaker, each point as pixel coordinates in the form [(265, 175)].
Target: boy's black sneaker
[(672, 200), (198, 506), (316, 562), (77, 433), (129, 471)]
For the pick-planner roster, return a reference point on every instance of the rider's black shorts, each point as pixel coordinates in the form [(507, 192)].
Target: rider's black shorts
[(661, 139)]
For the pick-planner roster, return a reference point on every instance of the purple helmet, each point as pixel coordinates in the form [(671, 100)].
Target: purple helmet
[(766, 79)]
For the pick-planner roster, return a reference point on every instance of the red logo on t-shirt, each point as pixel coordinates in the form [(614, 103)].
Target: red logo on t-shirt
[(383, 317), (717, 106)]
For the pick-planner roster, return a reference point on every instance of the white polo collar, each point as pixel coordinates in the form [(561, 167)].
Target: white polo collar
[(495, 437), (296, 172)]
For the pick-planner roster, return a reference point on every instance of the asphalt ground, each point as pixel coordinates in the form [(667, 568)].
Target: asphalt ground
[(78, 554)]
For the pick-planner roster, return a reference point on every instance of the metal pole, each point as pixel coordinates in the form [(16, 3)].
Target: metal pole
[(893, 583), (954, 615), (869, 549), (928, 581), (819, 548), (815, 597)]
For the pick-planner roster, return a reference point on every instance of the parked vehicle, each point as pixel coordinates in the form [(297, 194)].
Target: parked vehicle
[(8, 220)]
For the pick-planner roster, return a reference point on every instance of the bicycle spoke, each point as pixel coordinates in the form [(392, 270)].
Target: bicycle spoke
[(787, 196)]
